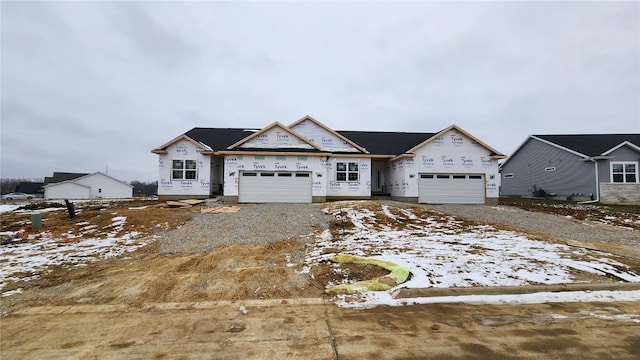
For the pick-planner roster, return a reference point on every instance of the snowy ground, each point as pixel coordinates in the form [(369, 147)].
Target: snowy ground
[(441, 252), (26, 256)]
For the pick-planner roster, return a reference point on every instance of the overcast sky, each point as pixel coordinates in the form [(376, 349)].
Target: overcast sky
[(91, 85)]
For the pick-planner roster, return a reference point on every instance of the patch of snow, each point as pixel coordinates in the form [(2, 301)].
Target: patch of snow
[(387, 213), (36, 256), (443, 252), (8, 207), (502, 208), (373, 299), (12, 292)]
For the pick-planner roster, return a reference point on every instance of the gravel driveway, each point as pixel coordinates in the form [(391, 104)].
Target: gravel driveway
[(253, 224), (558, 227), (264, 223)]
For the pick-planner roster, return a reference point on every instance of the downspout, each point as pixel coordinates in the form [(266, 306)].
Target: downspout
[(597, 199)]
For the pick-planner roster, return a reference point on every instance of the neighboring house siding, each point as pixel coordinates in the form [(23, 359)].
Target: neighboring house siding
[(96, 185), (619, 192), (184, 150), (67, 190), (624, 153), (613, 193), (102, 186), (537, 165)]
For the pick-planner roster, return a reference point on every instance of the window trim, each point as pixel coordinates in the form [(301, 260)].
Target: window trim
[(351, 171), (624, 172), (183, 169)]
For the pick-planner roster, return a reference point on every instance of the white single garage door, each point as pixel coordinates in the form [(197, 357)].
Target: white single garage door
[(451, 189), (274, 186)]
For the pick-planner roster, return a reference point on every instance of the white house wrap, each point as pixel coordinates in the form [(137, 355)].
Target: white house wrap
[(309, 162)]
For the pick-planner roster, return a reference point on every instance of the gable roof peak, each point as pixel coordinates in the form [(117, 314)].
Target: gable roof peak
[(494, 152), (329, 130), (275, 124)]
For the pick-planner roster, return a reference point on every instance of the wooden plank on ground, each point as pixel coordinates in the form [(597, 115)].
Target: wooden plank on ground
[(193, 201), (180, 204), (221, 209)]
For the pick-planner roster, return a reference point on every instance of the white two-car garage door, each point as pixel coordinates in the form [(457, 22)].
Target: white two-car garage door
[(451, 189), (274, 186)]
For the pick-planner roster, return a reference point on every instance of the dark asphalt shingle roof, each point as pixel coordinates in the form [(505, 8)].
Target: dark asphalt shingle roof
[(62, 176), (591, 145), (376, 142), (219, 138), (386, 143)]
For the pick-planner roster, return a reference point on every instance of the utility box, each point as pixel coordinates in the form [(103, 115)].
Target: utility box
[(36, 221)]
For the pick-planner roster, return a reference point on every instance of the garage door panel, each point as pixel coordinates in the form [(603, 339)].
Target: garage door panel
[(451, 189), (286, 187)]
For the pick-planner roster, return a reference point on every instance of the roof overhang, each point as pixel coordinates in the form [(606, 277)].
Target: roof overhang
[(162, 149), (624, 143), (276, 153), (596, 158), (403, 156)]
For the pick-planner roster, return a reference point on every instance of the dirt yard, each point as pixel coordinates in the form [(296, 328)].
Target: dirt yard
[(250, 301)]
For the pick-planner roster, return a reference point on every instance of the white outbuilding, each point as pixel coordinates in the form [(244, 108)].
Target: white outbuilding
[(91, 186)]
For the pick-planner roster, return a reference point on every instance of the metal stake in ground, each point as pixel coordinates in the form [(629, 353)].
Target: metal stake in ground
[(70, 209)]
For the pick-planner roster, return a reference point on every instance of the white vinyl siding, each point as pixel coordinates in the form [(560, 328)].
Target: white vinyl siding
[(274, 186), (451, 189)]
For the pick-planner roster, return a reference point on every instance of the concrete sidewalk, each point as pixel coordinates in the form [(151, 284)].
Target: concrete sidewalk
[(315, 329)]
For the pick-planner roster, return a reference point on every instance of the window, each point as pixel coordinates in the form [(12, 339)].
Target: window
[(507, 176), (184, 170), (346, 171), (624, 172)]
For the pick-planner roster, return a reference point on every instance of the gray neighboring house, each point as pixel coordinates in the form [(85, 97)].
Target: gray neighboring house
[(599, 167)]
